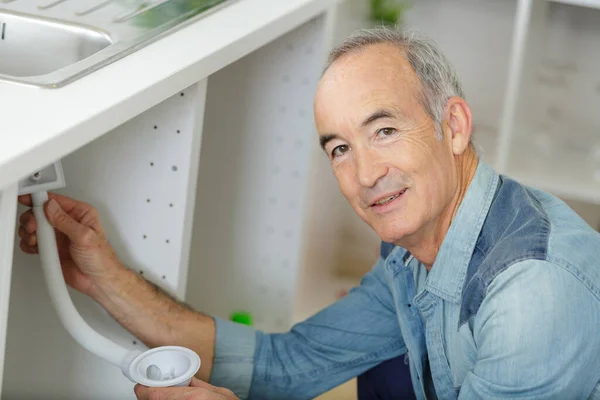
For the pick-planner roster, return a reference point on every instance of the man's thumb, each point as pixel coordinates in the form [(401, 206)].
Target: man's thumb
[(60, 220)]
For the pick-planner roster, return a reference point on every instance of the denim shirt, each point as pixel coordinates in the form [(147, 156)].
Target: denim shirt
[(510, 309)]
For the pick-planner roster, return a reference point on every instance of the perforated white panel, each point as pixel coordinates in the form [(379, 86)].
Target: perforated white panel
[(253, 180), (138, 178), (147, 161)]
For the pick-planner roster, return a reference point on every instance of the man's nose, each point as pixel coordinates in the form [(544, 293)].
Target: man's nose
[(369, 167)]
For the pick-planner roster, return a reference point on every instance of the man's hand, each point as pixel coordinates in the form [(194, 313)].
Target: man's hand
[(86, 256), (198, 390)]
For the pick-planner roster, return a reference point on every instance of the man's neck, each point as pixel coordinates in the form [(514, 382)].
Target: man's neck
[(426, 244)]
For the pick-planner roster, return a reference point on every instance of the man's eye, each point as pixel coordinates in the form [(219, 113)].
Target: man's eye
[(339, 150), (386, 132)]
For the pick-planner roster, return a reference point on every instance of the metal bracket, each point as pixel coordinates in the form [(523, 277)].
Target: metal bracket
[(49, 178)]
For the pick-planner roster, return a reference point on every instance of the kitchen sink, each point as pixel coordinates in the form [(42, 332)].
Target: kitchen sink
[(33, 46), (51, 43)]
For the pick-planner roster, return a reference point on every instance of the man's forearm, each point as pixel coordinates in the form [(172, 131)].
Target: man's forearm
[(156, 318)]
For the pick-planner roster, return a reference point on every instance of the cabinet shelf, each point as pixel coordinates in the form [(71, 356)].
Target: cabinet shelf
[(550, 128), (539, 161)]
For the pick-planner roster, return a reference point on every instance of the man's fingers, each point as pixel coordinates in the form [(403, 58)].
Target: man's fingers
[(62, 221), (144, 393), (228, 394), (66, 203), (168, 393), (28, 249), (28, 221), (198, 390), (148, 393), (25, 199), (201, 384), (28, 238), (78, 210)]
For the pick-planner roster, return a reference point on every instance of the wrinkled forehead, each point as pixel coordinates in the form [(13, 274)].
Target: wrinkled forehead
[(375, 76)]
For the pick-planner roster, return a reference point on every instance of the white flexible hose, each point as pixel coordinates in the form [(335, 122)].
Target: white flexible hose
[(57, 288)]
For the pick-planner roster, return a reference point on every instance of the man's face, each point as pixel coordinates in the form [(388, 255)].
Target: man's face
[(381, 143)]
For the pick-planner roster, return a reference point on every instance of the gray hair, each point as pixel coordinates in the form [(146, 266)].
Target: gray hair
[(439, 80)]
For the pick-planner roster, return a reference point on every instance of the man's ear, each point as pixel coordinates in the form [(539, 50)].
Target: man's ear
[(458, 116)]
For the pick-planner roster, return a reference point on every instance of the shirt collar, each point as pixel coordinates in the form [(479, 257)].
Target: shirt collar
[(448, 272)]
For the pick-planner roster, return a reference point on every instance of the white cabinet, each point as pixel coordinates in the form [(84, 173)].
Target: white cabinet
[(203, 192)]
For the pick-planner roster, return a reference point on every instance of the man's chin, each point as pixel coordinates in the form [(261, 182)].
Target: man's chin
[(392, 236)]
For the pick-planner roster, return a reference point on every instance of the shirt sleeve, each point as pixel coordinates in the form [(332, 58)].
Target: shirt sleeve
[(235, 345), (537, 336), (338, 343)]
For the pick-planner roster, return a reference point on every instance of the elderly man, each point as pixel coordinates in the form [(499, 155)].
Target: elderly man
[(487, 288)]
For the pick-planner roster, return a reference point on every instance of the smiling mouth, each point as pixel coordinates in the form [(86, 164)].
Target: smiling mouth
[(389, 199)]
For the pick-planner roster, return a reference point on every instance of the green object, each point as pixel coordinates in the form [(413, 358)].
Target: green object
[(387, 12), (171, 11), (241, 317)]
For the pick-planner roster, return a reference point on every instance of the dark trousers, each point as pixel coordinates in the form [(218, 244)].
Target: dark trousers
[(388, 380)]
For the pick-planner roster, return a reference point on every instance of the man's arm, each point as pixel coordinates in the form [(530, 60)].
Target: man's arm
[(335, 345), (156, 318), (537, 336), (345, 339)]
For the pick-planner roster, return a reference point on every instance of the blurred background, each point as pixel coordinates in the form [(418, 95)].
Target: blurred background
[(532, 78)]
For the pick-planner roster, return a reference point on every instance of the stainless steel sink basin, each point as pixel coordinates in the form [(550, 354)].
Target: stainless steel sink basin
[(50, 43), (34, 46)]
